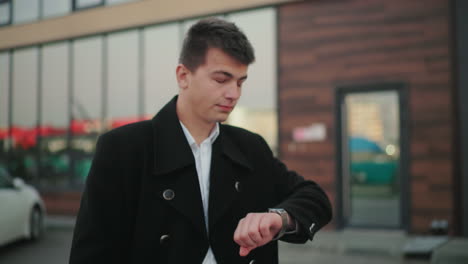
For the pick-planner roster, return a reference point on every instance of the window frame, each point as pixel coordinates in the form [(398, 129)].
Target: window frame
[(10, 10), (75, 6)]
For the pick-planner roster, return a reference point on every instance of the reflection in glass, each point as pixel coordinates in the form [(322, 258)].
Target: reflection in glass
[(80, 4), (262, 122), (115, 2), (23, 158), (86, 123), (25, 11), (161, 49), (53, 128), (5, 9), (122, 96), (373, 145), (4, 105), (52, 8)]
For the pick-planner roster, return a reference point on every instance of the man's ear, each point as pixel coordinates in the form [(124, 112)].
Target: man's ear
[(182, 74)]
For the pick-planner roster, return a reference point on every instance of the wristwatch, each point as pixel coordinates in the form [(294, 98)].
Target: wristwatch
[(284, 218)]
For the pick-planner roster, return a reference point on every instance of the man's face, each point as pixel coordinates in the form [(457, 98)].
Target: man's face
[(213, 89)]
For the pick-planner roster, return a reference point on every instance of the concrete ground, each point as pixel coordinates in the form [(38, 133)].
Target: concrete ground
[(53, 248), (306, 254), (349, 246)]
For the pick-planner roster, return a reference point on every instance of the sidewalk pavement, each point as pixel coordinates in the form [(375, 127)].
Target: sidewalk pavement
[(60, 222), (383, 243), (392, 244)]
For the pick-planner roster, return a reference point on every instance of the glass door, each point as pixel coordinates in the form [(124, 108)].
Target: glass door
[(370, 147)]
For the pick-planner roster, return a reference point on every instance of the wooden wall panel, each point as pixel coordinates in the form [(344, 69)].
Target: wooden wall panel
[(324, 44)]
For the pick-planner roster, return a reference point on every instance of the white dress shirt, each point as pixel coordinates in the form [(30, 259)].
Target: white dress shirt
[(202, 155)]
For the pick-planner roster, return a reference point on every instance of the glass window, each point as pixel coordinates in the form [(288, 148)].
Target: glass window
[(25, 87), (123, 90), (161, 58), (87, 104), (4, 88), (52, 8), (25, 11), (82, 4), (4, 105), (24, 110), (55, 85), (259, 91), (87, 79), (5, 12), (257, 107), (114, 2), (54, 112)]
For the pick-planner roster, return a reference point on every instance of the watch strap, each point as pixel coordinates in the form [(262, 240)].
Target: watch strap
[(284, 219)]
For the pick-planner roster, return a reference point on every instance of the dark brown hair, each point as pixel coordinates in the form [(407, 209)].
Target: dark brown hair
[(215, 33)]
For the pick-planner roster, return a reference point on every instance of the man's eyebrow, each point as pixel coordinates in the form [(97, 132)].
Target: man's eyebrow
[(228, 74)]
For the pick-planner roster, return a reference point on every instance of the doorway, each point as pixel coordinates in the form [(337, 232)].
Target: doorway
[(371, 146)]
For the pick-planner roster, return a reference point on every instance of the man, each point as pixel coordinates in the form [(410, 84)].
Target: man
[(183, 188)]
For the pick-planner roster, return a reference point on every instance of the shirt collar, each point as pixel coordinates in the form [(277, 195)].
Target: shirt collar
[(212, 137)]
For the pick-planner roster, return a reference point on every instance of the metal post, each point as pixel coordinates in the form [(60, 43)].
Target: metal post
[(141, 72)]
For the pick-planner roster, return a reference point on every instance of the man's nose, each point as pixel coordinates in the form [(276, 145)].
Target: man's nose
[(233, 91)]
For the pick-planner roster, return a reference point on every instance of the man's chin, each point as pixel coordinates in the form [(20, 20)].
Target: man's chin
[(222, 118)]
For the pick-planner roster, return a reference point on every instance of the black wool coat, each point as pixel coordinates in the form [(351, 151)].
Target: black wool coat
[(142, 201)]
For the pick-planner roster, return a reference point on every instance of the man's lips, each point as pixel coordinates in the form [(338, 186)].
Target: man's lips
[(225, 107)]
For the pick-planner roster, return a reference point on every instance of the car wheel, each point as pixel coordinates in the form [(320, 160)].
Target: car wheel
[(36, 224)]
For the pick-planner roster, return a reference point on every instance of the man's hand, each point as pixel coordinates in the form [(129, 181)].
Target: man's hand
[(255, 230)]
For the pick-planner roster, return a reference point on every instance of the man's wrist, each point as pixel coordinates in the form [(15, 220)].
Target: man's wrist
[(285, 221)]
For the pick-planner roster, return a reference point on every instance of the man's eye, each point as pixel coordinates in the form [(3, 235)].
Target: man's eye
[(220, 80)]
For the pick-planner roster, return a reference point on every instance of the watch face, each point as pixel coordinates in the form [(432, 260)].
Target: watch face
[(277, 210)]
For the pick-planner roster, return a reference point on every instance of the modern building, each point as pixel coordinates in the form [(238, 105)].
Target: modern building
[(366, 97)]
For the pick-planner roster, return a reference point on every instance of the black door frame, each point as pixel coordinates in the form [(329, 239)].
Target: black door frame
[(460, 66), (405, 199)]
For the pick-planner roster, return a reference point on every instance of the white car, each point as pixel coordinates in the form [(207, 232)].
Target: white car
[(22, 210)]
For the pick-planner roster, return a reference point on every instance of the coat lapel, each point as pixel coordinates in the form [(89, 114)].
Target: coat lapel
[(174, 166), (228, 165)]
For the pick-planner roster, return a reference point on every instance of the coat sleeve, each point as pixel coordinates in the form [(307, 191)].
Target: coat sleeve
[(99, 235), (304, 200)]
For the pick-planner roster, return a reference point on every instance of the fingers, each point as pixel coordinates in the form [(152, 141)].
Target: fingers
[(245, 234), (265, 229), (255, 230), (252, 228), (243, 251)]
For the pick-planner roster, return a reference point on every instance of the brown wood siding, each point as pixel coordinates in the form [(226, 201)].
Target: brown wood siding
[(324, 44)]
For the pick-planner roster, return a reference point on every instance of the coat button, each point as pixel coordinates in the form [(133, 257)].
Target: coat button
[(252, 261), (237, 186), (311, 228), (163, 239), (168, 194)]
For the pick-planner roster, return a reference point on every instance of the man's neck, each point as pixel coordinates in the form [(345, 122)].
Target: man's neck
[(198, 129), (198, 132)]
